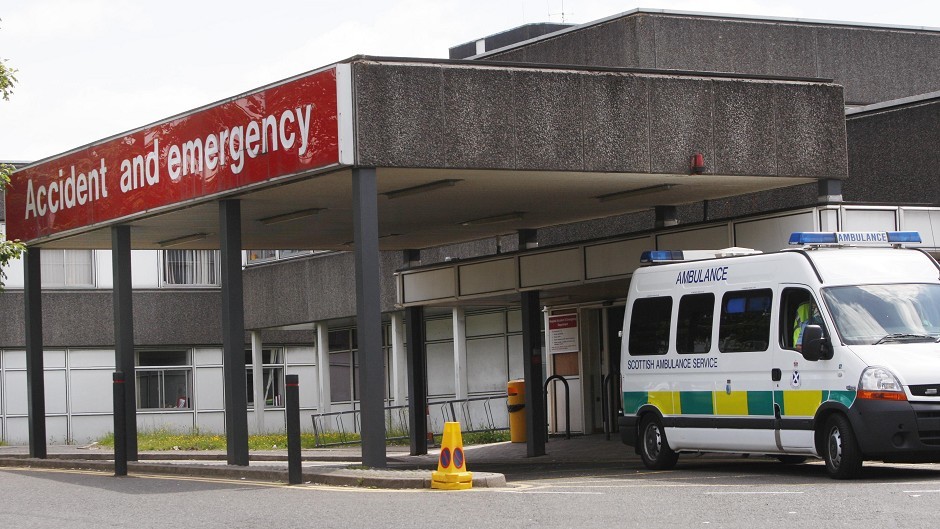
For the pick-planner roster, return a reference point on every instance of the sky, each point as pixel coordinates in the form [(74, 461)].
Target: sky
[(91, 69)]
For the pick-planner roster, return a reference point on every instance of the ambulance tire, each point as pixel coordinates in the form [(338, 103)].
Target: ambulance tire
[(654, 449), (840, 449)]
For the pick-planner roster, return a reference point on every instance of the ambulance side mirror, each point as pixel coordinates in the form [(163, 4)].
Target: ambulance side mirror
[(815, 347)]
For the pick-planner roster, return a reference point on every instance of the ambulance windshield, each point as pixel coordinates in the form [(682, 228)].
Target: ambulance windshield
[(875, 314)]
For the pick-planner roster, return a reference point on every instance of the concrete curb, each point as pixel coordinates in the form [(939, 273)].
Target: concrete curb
[(191, 456), (344, 477)]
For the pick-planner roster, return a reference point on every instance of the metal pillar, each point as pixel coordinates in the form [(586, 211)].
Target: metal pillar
[(533, 373), (417, 380), (369, 316), (257, 380), (399, 362), (323, 373), (459, 319), (233, 333), (292, 409), (120, 425), (123, 303), (35, 381)]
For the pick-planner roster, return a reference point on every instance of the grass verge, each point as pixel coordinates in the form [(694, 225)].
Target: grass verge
[(165, 439)]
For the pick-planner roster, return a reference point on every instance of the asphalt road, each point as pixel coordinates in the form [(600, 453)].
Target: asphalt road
[(712, 493)]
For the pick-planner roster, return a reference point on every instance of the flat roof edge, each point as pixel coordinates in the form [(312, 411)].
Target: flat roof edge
[(703, 14), (464, 63), (892, 104)]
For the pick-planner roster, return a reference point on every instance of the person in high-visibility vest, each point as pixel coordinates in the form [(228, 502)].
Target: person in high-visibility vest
[(807, 313)]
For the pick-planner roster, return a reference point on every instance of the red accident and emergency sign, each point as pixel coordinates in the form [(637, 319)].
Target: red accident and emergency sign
[(272, 133)]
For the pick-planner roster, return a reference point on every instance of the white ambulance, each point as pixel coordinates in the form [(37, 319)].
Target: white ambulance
[(825, 350)]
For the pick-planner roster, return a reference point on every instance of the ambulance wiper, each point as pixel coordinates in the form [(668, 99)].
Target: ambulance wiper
[(901, 336)]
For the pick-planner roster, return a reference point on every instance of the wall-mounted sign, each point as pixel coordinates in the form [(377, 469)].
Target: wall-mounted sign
[(563, 333), (272, 133)]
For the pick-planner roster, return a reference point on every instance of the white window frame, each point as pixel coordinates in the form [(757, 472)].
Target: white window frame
[(45, 264), (216, 270)]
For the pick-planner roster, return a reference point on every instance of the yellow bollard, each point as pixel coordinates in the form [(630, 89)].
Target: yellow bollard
[(451, 473), (515, 402)]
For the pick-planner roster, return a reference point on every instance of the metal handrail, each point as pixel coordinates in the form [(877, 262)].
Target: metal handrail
[(448, 414)]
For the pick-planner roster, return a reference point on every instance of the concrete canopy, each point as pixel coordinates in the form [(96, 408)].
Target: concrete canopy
[(465, 151)]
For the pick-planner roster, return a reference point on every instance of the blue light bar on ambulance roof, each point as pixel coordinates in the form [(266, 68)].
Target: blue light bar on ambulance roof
[(859, 238), (661, 256)]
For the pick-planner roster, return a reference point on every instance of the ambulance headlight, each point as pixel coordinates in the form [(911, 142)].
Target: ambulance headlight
[(879, 383)]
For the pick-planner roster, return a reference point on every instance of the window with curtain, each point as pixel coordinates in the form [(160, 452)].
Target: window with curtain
[(67, 268), (191, 267)]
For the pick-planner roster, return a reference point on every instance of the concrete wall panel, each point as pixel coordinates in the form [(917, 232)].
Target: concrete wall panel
[(84, 318), (616, 124), (547, 129), (745, 132), (737, 46), (893, 154), (879, 64), (873, 63), (312, 289), (478, 131), (680, 123), (810, 132), (568, 120), (403, 111)]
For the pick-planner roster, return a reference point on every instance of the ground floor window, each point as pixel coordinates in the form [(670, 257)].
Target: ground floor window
[(344, 363), (272, 382), (164, 380)]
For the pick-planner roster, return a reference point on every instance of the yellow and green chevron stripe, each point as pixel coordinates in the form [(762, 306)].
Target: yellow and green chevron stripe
[(793, 403)]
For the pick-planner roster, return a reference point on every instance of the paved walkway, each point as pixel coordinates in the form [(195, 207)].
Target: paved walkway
[(335, 466)]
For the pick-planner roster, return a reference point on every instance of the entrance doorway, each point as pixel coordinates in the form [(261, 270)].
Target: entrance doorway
[(584, 348)]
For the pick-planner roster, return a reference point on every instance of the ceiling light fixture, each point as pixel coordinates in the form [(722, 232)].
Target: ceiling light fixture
[(182, 240), (495, 219), (423, 188), (293, 215), (634, 192), (387, 236)]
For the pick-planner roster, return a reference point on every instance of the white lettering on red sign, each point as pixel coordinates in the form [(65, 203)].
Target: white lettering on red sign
[(284, 130)]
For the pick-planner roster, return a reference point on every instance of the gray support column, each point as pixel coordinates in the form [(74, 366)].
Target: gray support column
[(533, 373), (257, 380), (829, 190), (459, 318), (35, 378), (369, 316), (124, 330), (233, 333), (399, 367), (417, 380), (324, 404), (666, 216)]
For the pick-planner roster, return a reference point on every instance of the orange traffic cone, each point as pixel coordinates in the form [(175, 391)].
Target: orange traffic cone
[(451, 471)]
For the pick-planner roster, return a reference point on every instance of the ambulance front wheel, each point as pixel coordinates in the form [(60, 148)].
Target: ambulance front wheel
[(654, 449), (840, 449)]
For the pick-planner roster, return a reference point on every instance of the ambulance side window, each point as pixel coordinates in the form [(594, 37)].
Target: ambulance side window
[(745, 321), (649, 326), (694, 326), (790, 314)]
